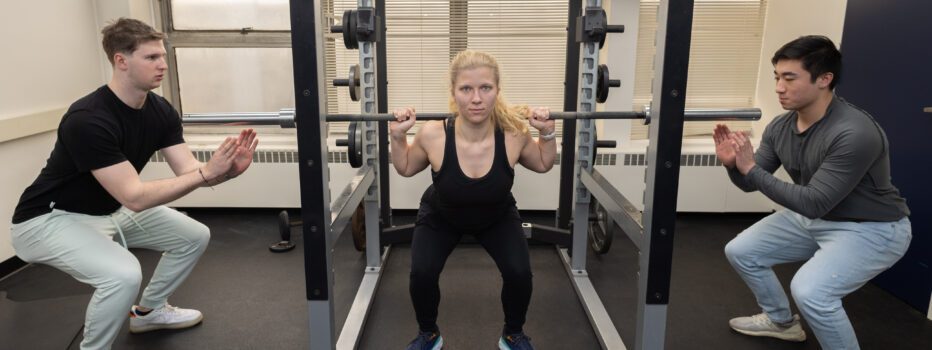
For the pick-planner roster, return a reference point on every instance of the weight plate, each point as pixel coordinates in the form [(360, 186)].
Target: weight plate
[(349, 30), (354, 91), (601, 228), (601, 91), (354, 146), (358, 227)]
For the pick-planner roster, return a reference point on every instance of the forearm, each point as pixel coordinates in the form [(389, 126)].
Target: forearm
[(399, 153), (150, 194), (739, 180), (192, 166), (839, 172), (807, 200), (548, 153)]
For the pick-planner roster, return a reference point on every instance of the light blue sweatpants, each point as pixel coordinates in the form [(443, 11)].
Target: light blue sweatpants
[(90, 249), (842, 257)]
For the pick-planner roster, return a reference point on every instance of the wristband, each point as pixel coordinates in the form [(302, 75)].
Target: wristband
[(205, 179), (552, 135)]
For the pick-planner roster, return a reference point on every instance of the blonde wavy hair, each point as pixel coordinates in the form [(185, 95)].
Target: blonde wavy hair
[(508, 118)]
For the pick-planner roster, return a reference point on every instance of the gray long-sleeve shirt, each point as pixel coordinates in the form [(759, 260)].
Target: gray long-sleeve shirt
[(840, 167)]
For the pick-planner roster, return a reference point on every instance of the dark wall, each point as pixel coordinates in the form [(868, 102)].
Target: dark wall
[(887, 53)]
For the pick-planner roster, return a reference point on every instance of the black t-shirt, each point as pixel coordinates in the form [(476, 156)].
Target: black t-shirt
[(98, 131)]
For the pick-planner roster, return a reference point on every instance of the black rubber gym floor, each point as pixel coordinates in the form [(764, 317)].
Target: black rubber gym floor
[(254, 299)]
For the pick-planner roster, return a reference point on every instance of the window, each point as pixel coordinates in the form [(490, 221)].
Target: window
[(230, 14), (229, 56), (527, 38), (723, 61), (235, 56)]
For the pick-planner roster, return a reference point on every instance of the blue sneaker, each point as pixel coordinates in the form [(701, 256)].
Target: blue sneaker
[(517, 341), (426, 341)]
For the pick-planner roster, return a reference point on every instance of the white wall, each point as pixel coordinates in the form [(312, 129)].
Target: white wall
[(52, 58), (47, 65), (46, 61), (788, 20), (620, 54), (28, 154)]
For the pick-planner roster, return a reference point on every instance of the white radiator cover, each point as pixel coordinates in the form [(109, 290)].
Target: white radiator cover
[(272, 182)]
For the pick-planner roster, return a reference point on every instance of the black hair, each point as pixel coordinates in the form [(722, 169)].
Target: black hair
[(817, 53)]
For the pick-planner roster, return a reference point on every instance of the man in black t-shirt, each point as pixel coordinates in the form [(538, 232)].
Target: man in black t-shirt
[(90, 192)]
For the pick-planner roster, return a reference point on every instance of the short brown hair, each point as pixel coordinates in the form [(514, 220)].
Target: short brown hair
[(125, 35)]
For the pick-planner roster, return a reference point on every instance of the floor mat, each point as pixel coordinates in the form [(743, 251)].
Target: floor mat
[(27, 324)]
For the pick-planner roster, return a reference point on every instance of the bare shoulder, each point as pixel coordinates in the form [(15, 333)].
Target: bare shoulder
[(515, 144), (517, 139), (432, 128), (431, 133)]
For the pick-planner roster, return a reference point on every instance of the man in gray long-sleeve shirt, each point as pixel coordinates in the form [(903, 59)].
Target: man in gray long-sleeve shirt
[(842, 213)]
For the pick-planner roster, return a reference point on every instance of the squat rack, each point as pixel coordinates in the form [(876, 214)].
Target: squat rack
[(651, 231)]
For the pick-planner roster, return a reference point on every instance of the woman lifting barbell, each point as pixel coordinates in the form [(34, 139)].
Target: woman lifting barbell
[(472, 158)]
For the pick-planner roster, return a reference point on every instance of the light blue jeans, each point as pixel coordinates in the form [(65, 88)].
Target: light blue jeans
[(842, 256), (88, 248)]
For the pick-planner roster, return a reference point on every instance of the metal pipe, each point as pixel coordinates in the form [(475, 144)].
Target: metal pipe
[(257, 118), (285, 118), (691, 115), (440, 116), (723, 114)]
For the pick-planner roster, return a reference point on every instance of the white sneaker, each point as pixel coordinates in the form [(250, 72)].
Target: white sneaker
[(761, 326), (165, 317)]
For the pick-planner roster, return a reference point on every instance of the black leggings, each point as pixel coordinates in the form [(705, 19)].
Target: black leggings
[(434, 240)]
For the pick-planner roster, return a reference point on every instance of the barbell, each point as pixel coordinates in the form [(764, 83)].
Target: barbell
[(286, 117), (690, 115)]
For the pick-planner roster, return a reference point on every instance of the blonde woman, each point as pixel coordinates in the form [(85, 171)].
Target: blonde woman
[(472, 158)]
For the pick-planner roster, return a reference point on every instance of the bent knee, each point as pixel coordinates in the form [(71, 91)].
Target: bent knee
[(124, 276), (201, 235), (517, 272), (198, 235), (424, 272), (810, 297), (735, 251)]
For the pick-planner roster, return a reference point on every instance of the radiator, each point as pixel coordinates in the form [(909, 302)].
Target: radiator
[(272, 182)]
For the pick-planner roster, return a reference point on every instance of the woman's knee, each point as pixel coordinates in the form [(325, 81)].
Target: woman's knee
[(518, 271), (425, 273)]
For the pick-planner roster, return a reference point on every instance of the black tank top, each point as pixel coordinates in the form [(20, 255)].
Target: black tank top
[(472, 203)]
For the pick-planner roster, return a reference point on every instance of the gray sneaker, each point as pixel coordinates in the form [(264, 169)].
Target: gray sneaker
[(761, 326)]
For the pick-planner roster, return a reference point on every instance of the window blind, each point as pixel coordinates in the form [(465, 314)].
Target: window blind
[(527, 38), (723, 59)]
